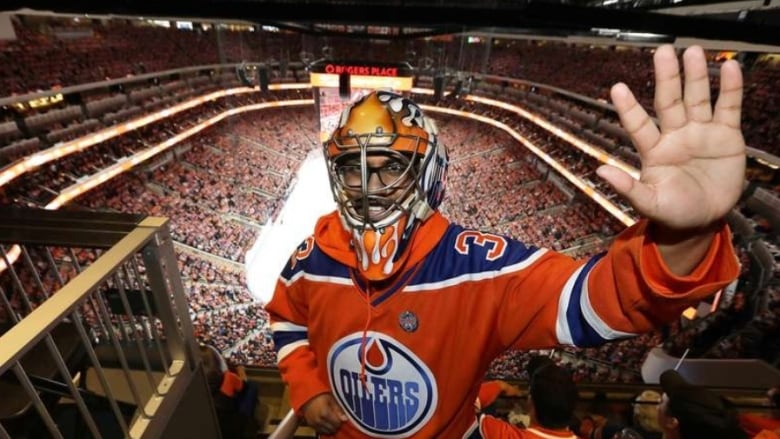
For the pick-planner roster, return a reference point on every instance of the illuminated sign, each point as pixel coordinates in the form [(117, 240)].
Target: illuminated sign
[(361, 70), (363, 81), (40, 102)]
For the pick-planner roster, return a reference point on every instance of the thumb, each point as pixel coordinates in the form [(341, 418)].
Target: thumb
[(637, 193)]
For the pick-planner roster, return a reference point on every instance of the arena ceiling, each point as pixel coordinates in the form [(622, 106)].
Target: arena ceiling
[(753, 21)]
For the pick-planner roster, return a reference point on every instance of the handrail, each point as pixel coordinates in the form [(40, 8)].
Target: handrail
[(287, 427), (29, 331), (125, 311)]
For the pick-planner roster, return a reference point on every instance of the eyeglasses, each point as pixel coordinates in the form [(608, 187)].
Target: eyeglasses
[(389, 173)]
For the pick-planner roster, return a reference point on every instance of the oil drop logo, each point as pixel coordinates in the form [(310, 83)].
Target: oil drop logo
[(399, 396)]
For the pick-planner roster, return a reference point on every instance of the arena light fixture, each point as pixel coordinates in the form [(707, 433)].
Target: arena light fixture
[(643, 37)]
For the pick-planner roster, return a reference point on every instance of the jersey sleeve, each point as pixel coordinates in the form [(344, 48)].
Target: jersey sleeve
[(231, 384), (554, 299), (489, 391), (494, 428), (289, 316)]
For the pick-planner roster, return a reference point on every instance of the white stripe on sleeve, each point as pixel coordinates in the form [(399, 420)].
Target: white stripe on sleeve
[(562, 330), (287, 326), (288, 349), (593, 319)]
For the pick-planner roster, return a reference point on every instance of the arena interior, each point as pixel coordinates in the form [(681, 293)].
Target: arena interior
[(211, 121)]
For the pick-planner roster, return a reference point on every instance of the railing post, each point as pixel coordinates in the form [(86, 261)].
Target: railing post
[(168, 292)]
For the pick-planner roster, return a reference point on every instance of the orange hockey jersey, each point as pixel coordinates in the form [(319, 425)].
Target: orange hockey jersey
[(493, 428), (463, 298)]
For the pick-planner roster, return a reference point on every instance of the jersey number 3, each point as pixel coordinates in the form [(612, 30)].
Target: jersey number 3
[(303, 251), (496, 243)]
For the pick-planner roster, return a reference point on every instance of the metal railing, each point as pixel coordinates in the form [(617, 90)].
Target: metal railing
[(95, 337), (287, 427)]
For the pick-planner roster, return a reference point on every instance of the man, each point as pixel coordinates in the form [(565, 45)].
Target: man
[(235, 398), (552, 396), (386, 319), (691, 412), (646, 414)]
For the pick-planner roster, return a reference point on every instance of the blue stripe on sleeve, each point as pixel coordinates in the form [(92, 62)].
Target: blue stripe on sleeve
[(582, 334), (283, 338)]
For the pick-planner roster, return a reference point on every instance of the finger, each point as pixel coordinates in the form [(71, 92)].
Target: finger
[(334, 418), (668, 90), (331, 428), (728, 108), (330, 431), (330, 420), (635, 120), (337, 412), (697, 85), (637, 193), (327, 426)]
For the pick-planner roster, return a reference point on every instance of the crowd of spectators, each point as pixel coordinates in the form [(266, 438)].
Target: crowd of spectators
[(565, 227), (43, 57), (40, 280), (40, 187), (225, 326), (588, 70), (761, 107), (758, 338), (215, 193), (592, 70), (217, 293), (50, 53), (257, 349), (226, 180), (235, 171), (210, 297), (586, 366), (197, 270)]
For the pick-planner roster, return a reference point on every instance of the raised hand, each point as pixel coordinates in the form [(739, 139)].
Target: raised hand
[(693, 162), (323, 414)]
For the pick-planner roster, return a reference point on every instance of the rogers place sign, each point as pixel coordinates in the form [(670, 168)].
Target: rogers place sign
[(361, 70)]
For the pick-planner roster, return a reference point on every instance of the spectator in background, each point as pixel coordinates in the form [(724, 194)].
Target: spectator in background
[(691, 412), (552, 396), (489, 392), (646, 414), (644, 426), (234, 397)]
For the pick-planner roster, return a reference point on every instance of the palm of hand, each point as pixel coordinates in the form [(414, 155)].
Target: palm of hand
[(693, 166), (693, 184)]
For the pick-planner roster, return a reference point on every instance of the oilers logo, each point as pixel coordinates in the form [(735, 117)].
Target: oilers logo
[(399, 395)]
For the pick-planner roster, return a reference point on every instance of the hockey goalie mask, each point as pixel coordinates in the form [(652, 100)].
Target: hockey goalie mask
[(387, 172)]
